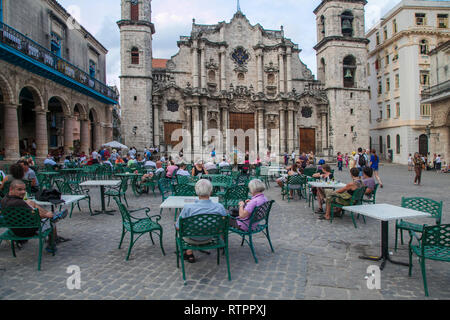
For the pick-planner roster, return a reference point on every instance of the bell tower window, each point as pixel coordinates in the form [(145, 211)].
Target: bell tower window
[(134, 10), (347, 24), (349, 72), (135, 56)]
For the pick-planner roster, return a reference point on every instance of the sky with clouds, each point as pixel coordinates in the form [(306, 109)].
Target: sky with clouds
[(173, 18)]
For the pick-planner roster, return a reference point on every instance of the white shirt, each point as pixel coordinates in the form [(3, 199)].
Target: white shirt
[(224, 164), (95, 155), (150, 164), (181, 172), (438, 160)]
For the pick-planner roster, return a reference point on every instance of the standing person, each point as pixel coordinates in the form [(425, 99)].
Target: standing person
[(353, 160), (304, 160), (293, 157), (346, 158), (418, 167), (339, 161), (361, 162), (374, 164), (286, 159), (213, 155), (410, 162), (438, 162)]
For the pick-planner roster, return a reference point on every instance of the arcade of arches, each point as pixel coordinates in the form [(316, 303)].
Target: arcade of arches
[(38, 121)]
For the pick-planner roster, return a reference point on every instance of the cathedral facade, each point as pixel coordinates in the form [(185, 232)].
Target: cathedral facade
[(232, 86)]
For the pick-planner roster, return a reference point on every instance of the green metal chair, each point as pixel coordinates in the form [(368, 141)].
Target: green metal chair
[(165, 188), (151, 183), (23, 218), (213, 171), (204, 226), (184, 190), (186, 179), (138, 226), (293, 183), (420, 204), (309, 171), (234, 195), (120, 191), (264, 178), (372, 199), (258, 222), (355, 200), (433, 245), (74, 189)]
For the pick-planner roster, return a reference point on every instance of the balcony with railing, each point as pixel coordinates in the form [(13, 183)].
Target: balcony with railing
[(18, 49), (441, 89)]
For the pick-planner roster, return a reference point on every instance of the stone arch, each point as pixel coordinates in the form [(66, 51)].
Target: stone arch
[(6, 91), (82, 110), (67, 110), (36, 93)]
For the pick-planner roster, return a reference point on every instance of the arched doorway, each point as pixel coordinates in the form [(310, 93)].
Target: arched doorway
[(423, 144), (27, 120)]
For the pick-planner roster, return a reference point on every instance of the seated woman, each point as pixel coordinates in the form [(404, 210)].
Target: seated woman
[(198, 169), (171, 168), (368, 181), (246, 207), (343, 195), (320, 192), (292, 170)]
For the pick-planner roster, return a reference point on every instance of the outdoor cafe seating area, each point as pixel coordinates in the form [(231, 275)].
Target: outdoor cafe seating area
[(230, 187)]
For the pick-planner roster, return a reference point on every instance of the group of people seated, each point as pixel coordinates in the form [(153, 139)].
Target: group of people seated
[(239, 217), (343, 195)]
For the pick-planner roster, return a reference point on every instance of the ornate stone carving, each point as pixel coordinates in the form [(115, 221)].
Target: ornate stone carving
[(307, 112), (172, 105), (211, 65)]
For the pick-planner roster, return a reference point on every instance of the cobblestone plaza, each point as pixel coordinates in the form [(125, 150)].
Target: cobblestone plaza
[(313, 259)]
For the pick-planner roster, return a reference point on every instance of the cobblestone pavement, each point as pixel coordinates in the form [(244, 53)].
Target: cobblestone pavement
[(313, 259)]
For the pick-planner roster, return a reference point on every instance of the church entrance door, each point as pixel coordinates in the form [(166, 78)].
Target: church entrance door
[(307, 140), (244, 121)]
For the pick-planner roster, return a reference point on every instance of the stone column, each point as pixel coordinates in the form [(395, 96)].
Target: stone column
[(204, 125), (196, 131), (195, 75), (68, 134), (283, 132), (225, 130), (261, 133), (156, 125), (41, 134), (98, 135), (223, 78), (85, 137), (203, 67), (290, 130), (282, 75), (289, 69), (324, 131), (259, 65), (296, 142), (11, 132)]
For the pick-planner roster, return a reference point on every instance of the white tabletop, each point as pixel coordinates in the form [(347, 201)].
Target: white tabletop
[(174, 202), (332, 185), (68, 199), (386, 212), (98, 183)]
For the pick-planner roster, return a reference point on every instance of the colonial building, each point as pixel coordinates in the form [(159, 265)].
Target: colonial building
[(399, 69), (232, 85), (52, 81), (438, 97)]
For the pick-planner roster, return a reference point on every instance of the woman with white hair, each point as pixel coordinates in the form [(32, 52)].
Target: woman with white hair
[(204, 205), (246, 208)]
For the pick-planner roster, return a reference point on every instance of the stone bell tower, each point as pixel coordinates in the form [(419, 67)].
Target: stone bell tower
[(136, 80), (341, 62)]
